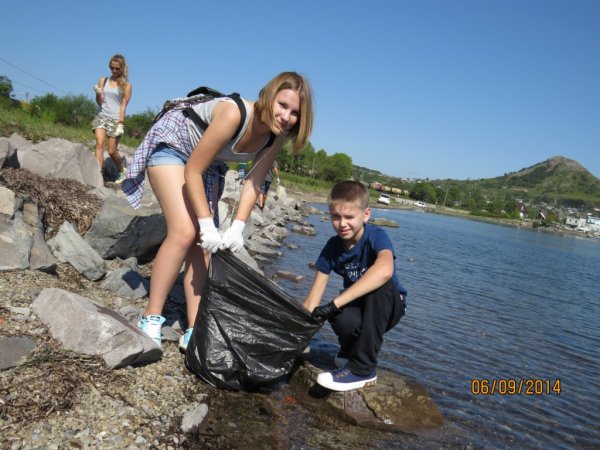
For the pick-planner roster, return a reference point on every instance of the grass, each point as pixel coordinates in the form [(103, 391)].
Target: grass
[(37, 129)]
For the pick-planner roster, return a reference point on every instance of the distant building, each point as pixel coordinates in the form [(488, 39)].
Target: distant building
[(575, 222), (521, 209)]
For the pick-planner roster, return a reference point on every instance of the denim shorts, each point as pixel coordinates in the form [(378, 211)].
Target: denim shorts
[(164, 155)]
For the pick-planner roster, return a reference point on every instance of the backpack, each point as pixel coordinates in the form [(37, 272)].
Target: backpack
[(200, 95)]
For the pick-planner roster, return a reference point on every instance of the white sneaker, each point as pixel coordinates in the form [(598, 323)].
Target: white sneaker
[(185, 339), (343, 380), (152, 325)]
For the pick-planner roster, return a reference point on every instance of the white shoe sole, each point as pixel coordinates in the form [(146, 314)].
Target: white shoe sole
[(326, 380)]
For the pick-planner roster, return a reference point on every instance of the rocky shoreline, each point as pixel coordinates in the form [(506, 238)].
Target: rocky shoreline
[(51, 397)]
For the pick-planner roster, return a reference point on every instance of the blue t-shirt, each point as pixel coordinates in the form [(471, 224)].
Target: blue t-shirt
[(350, 264)]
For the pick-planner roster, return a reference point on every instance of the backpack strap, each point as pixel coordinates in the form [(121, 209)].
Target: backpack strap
[(105, 80), (194, 117), (272, 138)]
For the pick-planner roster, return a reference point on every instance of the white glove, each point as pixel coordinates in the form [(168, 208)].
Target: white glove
[(278, 181), (97, 89), (210, 239), (120, 130), (232, 238)]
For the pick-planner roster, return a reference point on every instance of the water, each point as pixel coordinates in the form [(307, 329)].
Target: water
[(488, 302)]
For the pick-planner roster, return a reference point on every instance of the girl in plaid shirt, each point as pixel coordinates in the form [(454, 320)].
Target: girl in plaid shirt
[(186, 167)]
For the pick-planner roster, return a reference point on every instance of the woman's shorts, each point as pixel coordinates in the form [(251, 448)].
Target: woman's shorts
[(110, 125), (164, 155), (264, 188), (213, 178)]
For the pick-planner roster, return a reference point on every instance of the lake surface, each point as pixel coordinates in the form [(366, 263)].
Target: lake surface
[(486, 303)]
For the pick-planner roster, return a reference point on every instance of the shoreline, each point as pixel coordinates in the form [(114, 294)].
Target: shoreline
[(312, 197)]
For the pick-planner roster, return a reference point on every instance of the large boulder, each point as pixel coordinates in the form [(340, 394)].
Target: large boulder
[(90, 328), (6, 151), (59, 158), (121, 231), (15, 239), (394, 403), (69, 246)]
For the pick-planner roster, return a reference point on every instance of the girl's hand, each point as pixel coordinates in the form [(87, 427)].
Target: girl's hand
[(233, 238), (210, 239)]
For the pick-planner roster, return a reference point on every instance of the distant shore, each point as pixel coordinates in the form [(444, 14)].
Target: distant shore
[(316, 197)]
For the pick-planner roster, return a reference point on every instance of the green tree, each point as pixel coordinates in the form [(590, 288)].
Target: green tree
[(423, 191), (70, 110), (6, 86), (318, 164), (75, 110), (338, 168), (138, 124), (45, 107)]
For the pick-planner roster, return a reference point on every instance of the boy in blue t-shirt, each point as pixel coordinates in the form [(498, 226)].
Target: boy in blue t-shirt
[(372, 301)]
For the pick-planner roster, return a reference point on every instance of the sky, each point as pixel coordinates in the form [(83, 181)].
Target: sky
[(460, 89)]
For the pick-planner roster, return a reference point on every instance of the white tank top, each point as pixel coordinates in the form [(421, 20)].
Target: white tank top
[(111, 105)]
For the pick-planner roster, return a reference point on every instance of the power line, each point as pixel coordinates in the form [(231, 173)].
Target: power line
[(33, 76), (28, 87)]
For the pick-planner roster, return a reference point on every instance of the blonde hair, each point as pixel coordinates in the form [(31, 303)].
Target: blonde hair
[(263, 107), (122, 78), (349, 192)]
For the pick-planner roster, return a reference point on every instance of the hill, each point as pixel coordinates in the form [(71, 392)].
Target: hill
[(556, 180)]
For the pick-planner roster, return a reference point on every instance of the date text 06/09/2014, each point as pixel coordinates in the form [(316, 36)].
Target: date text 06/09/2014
[(515, 386)]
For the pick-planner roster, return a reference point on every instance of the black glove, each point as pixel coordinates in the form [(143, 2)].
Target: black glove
[(322, 313)]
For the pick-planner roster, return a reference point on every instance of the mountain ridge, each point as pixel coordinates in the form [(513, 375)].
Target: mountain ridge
[(556, 178)]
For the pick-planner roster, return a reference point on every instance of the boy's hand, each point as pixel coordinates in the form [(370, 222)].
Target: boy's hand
[(322, 313)]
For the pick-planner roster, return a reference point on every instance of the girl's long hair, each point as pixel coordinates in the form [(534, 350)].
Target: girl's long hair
[(122, 78), (263, 108)]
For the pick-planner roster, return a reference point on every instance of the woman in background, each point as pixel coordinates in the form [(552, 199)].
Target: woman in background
[(112, 95)]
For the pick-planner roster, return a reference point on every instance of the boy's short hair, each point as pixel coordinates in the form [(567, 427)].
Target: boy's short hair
[(349, 191)]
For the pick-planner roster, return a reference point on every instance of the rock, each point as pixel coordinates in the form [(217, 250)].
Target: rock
[(127, 283), (69, 246), (90, 328), (14, 350), (307, 230), (382, 222), (60, 158), (7, 202), (6, 150), (257, 248), (15, 241), (288, 276), (394, 403), (41, 257), (191, 420), (121, 231)]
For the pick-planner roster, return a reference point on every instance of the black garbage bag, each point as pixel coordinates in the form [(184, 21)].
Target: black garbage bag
[(248, 332)]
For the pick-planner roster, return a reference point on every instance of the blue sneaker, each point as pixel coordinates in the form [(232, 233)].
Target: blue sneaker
[(151, 325), (344, 380), (185, 339), (340, 360), (120, 177)]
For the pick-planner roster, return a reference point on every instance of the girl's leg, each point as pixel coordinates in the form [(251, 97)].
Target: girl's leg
[(114, 153), (196, 263), (100, 140), (167, 182)]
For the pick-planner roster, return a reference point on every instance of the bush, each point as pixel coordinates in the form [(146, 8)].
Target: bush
[(69, 110), (137, 125)]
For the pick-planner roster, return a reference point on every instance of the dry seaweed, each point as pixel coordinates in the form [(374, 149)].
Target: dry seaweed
[(50, 382), (59, 199)]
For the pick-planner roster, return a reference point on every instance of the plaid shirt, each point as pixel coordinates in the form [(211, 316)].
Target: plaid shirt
[(172, 130)]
